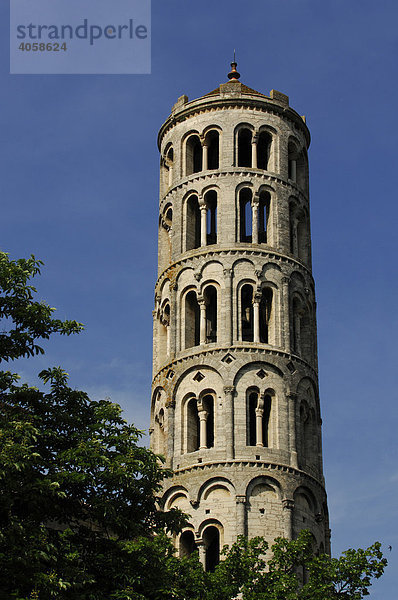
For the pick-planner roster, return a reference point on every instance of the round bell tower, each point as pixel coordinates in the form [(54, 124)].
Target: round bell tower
[(235, 405)]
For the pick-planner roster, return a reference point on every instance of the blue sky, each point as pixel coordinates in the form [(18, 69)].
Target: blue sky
[(79, 189)]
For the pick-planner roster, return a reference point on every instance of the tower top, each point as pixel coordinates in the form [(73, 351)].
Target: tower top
[(233, 75)]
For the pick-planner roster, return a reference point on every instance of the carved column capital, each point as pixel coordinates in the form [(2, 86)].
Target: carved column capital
[(229, 389), (240, 499), (288, 503)]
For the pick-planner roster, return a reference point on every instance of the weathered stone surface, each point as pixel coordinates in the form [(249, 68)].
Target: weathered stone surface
[(235, 405)]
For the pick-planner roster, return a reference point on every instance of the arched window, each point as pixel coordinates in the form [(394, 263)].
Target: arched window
[(258, 410), (164, 332), (192, 223), (302, 330), (187, 544), (298, 166), (292, 161), (302, 170), (211, 540), (211, 217), (264, 217), (245, 215), (160, 432), (192, 320), (296, 318), (246, 302), (244, 148), (168, 216), (252, 401), (266, 419), (306, 335), (265, 314), (210, 297), (293, 228), (307, 434), (263, 150), (206, 416), (212, 141), (193, 155), (193, 426), (169, 163), (302, 238)]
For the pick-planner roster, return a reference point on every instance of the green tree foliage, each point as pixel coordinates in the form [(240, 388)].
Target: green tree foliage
[(288, 570), (77, 491), (78, 512), (24, 320)]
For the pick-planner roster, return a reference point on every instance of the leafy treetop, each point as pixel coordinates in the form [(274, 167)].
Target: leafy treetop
[(24, 319)]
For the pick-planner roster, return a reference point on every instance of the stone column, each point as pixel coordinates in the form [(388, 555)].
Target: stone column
[(203, 414), (204, 156), (259, 427), (284, 315), (288, 513), (202, 551), (169, 166), (150, 431), (255, 204), (203, 224), (170, 406), (256, 317), (229, 392), (254, 151), (291, 399), (240, 515), (173, 318), (228, 312), (168, 340), (202, 324)]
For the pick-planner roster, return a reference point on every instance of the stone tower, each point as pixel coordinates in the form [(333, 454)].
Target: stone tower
[(235, 405)]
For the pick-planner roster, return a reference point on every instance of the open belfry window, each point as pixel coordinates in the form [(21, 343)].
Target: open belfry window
[(192, 224), (210, 199), (192, 320), (245, 215), (244, 147), (210, 297), (246, 303), (264, 218), (258, 411), (211, 540), (212, 143), (193, 156), (264, 142)]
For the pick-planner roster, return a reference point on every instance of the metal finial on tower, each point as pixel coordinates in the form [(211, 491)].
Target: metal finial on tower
[(233, 75)]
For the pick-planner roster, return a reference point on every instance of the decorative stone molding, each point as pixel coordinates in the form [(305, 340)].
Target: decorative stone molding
[(288, 504)]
